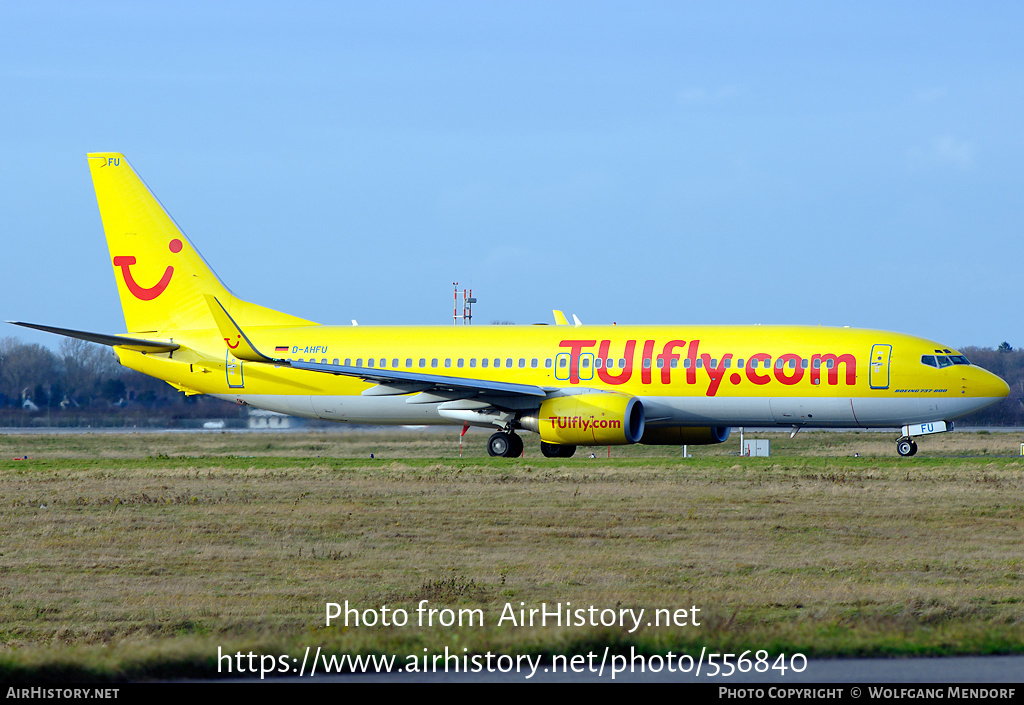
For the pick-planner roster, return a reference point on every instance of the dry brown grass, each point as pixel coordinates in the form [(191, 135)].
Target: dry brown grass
[(180, 554)]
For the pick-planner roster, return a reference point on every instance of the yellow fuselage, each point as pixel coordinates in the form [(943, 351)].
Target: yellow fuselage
[(696, 375)]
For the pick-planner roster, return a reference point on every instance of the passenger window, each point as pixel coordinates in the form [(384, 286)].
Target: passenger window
[(792, 364), (622, 363), (585, 362), (563, 361), (433, 362), (408, 362), (647, 363), (460, 362), (829, 364), (483, 362), (817, 364), (739, 363), (335, 361), (700, 364), (674, 364), (686, 364), (609, 363), (522, 362), (661, 363), (779, 364), (423, 362), (472, 362), (447, 362), (547, 363), (348, 362), (803, 363), (533, 363), (394, 363), (369, 362)]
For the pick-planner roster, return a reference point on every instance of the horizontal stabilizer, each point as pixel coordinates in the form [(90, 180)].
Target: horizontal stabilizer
[(137, 344)]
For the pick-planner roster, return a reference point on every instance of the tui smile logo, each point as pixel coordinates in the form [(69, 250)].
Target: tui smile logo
[(141, 292)]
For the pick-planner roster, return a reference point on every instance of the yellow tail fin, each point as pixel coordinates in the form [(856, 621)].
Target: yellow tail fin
[(161, 278)]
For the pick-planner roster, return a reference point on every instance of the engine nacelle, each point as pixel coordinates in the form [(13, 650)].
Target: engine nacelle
[(685, 435), (588, 420)]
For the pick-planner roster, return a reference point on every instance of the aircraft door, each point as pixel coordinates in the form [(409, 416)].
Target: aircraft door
[(878, 368), (233, 369)]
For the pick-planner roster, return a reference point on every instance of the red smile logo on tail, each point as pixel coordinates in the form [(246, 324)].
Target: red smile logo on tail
[(141, 292)]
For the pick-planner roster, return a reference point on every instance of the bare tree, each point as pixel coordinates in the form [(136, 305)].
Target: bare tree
[(86, 365), (25, 365)]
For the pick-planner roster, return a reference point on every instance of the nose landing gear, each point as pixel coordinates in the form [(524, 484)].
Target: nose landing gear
[(906, 447)]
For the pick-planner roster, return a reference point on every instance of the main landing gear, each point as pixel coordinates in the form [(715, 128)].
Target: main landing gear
[(553, 450), (505, 445), (906, 447)]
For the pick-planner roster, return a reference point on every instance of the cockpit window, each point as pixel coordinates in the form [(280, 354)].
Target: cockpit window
[(944, 360)]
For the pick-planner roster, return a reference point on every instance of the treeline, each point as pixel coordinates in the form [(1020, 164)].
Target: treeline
[(83, 384), (1008, 364)]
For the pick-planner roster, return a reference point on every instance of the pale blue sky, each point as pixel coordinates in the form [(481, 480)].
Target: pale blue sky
[(835, 163)]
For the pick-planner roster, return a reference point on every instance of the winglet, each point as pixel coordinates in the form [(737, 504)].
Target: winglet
[(560, 319), (238, 343)]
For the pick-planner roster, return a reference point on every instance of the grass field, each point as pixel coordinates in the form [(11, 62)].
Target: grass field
[(138, 555)]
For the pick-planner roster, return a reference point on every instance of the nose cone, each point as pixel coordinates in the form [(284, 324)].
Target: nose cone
[(985, 384)]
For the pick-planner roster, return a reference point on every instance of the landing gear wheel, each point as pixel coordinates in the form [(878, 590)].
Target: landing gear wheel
[(504, 445), (499, 445), (906, 447), (516, 448), (554, 450)]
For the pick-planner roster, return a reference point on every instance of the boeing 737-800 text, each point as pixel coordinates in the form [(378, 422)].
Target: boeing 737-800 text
[(571, 385)]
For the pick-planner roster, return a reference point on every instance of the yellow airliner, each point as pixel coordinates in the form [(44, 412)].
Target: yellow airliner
[(571, 385)]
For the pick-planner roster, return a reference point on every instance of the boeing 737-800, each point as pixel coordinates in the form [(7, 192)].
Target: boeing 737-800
[(571, 385)]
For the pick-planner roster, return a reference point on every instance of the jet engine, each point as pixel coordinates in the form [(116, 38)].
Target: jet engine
[(588, 419)]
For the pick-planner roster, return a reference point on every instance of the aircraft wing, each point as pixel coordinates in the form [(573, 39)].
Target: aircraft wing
[(137, 344), (389, 381), (421, 382)]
